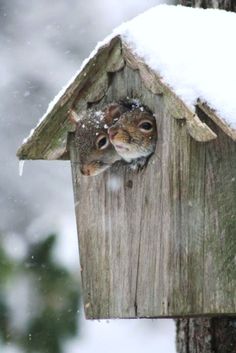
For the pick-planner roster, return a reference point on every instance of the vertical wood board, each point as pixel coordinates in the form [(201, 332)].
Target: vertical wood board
[(159, 243)]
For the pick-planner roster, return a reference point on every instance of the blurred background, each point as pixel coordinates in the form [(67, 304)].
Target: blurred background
[(42, 44)]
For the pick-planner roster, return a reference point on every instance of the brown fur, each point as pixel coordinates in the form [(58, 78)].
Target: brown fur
[(129, 139), (91, 126)]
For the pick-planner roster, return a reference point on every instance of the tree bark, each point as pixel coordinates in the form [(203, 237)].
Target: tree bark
[(206, 335), (228, 5)]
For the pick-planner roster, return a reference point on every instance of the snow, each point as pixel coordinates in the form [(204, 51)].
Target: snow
[(114, 183), (192, 49)]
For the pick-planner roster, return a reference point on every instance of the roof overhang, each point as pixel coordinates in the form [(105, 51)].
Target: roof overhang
[(49, 139)]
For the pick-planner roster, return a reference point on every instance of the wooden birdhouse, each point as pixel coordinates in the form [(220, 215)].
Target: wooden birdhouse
[(159, 242)]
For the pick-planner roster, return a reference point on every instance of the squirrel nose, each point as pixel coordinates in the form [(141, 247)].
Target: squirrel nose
[(112, 133)]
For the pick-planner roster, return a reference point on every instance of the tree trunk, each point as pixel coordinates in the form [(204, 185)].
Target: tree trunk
[(228, 5), (207, 335)]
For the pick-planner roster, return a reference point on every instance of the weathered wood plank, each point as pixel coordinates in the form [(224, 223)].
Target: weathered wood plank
[(152, 81), (199, 130), (220, 227), (204, 107), (159, 243), (49, 138)]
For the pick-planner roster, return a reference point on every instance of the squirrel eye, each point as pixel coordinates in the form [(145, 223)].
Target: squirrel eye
[(145, 126), (102, 142)]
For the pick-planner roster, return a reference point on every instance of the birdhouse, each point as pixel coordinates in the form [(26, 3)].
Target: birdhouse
[(159, 242)]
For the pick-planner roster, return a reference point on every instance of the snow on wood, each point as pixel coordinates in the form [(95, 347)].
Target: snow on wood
[(193, 50)]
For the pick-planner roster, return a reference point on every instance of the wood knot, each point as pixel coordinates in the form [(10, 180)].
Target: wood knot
[(129, 184)]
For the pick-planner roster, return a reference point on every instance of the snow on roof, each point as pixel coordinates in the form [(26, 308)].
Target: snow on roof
[(193, 50)]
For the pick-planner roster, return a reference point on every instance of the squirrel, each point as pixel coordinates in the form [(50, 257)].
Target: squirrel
[(124, 130), (134, 136), (96, 152)]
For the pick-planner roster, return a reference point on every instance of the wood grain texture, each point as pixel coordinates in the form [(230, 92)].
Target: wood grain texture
[(50, 136), (206, 335), (203, 106), (159, 243), (153, 82)]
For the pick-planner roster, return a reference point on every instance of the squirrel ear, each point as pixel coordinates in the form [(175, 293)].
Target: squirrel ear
[(73, 116), (112, 111)]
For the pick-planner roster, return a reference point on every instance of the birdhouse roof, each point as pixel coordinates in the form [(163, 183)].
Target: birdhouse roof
[(185, 53)]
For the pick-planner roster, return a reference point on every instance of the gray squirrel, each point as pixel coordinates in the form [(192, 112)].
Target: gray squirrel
[(123, 130), (134, 136), (96, 153)]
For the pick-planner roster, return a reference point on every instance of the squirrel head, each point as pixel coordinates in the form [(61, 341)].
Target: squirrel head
[(96, 152), (134, 135)]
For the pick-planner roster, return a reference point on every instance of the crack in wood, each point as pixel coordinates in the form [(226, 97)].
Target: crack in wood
[(136, 287)]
